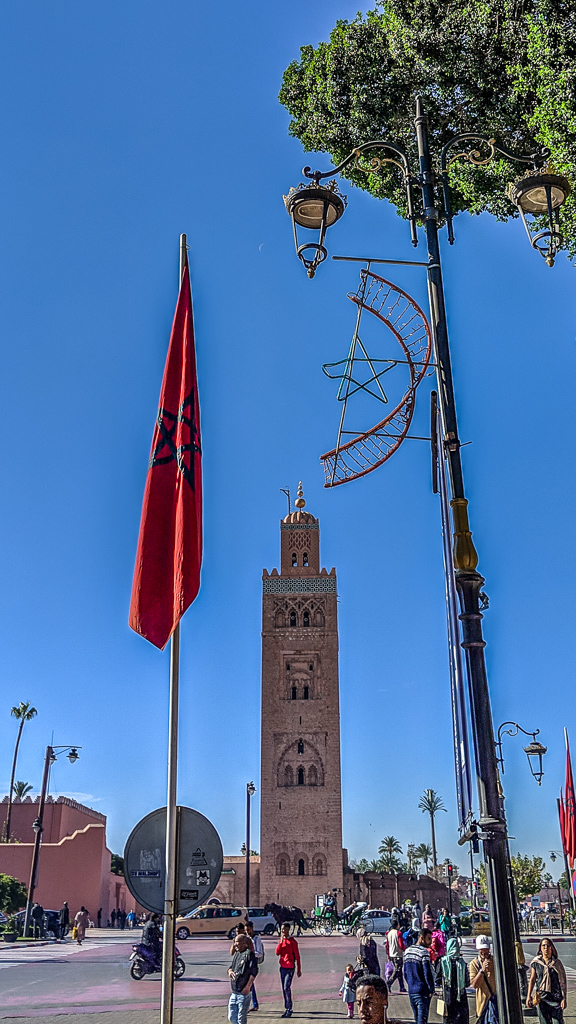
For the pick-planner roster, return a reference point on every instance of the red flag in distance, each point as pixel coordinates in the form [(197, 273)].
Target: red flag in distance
[(569, 809), (169, 553)]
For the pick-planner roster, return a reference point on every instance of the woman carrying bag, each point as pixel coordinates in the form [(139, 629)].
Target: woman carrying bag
[(455, 980), (547, 984)]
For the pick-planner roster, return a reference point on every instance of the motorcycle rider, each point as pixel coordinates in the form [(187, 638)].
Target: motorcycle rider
[(152, 938)]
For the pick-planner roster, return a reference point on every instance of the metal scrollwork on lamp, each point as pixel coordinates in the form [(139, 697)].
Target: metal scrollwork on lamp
[(540, 193)]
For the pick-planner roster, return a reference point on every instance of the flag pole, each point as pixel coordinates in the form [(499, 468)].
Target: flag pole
[(171, 893), (571, 895)]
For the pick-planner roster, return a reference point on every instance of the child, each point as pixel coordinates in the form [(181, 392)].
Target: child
[(348, 989)]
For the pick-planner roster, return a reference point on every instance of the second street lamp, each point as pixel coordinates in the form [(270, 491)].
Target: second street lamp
[(250, 790), (491, 824), (38, 826)]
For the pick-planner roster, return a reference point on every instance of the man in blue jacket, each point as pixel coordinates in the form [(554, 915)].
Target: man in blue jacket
[(419, 977)]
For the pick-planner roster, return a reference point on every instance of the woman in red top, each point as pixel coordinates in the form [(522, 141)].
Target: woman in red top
[(287, 950)]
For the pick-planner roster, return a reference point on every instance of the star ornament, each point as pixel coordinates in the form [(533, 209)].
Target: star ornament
[(177, 439)]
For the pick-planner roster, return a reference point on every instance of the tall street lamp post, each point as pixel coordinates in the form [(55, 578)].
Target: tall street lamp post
[(49, 759), (541, 193), (250, 790), (534, 752)]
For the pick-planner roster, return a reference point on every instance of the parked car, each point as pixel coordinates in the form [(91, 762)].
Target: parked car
[(378, 921), (51, 922), (263, 923), (210, 920), (480, 923)]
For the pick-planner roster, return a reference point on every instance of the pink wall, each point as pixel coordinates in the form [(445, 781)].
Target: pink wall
[(76, 869), (62, 817)]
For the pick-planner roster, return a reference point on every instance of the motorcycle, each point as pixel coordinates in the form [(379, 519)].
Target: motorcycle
[(144, 961)]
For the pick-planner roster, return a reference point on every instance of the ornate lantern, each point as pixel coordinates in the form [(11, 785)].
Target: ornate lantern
[(315, 207)]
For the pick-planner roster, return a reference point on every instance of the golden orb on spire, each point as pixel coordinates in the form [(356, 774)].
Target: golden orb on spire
[(300, 502)]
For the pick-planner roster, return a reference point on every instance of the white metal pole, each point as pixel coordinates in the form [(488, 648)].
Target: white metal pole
[(171, 890)]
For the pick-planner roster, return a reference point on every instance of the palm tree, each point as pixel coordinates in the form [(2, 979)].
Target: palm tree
[(424, 853), (21, 789), (23, 712), (388, 850), (431, 803)]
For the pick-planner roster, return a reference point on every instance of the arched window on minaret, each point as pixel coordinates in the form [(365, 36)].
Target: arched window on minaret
[(319, 866), (313, 780), (294, 693), (305, 558), (306, 619), (292, 618), (300, 746), (288, 776), (301, 866), (294, 559), (306, 693), (300, 776), (282, 864)]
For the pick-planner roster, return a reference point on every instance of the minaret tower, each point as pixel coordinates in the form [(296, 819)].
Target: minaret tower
[(301, 807)]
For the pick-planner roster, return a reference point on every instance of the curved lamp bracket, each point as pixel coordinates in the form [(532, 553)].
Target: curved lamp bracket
[(535, 160), (399, 159)]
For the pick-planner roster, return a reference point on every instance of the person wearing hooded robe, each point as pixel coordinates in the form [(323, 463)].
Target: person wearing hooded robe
[(548, 977), (369, 952), (455, 980)]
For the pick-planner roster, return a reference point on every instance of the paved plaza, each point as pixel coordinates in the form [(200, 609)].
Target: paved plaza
[(83, 983)]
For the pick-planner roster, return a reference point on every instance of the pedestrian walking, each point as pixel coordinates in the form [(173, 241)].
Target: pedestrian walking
[(437, 951), (410, 936), (113, 918), (99, 918), (428, 918), (287, 950), (419, 977), (80, 924), (547, 984), (369, 952), (395, 952), (417, 912), (348, 989), (64, 919), (483, 979), (131, 920), (372, 999), (241, 930), (445, 922), (37, 915), (258, 948), (241, 972), (455, 980)]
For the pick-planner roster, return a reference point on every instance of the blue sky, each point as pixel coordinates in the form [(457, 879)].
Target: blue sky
[(123, 125)]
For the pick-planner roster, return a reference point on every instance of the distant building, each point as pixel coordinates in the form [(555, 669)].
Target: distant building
[(381, 889), (74, 858)]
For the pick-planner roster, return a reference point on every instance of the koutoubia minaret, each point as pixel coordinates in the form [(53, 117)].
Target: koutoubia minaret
[(301, 805)]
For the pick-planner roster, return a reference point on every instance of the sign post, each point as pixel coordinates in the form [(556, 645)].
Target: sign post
[(199, 862)]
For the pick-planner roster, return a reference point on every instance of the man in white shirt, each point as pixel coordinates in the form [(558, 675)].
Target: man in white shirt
[(395, 951)]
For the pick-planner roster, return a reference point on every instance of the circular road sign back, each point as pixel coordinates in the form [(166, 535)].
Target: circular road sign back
[(200, 860)]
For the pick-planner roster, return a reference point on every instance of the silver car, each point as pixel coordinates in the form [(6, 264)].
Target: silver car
[(378, 921), (263, 923)]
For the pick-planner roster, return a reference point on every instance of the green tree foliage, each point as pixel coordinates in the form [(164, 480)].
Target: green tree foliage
[(424, 854), (505, 68), (12, 894), (527, 874), (21, 789), (389, 849), (117, 864)]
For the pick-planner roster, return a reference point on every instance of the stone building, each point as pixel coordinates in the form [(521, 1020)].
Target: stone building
[(301, 813)]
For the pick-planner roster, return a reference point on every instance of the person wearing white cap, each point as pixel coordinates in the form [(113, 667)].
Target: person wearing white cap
[(483, 979)]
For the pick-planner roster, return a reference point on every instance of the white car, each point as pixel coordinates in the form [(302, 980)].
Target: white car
[(378, 921), (263, 923)]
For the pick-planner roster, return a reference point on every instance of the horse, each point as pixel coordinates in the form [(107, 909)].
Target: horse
[(284, 915)]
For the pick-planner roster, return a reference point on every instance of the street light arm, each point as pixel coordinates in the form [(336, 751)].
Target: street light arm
[(536, 160), (375, 165), (512, 731)]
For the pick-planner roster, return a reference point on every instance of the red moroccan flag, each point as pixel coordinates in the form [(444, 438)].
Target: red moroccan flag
[(562, 816), (169, 555), (569, 808)]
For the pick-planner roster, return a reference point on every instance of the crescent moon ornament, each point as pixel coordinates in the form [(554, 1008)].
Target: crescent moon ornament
[(360, 372)]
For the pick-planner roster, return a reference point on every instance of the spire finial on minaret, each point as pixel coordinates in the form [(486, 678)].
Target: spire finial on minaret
[(300, 502)]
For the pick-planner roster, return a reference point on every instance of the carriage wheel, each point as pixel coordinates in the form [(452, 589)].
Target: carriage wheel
[(328, 928)]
